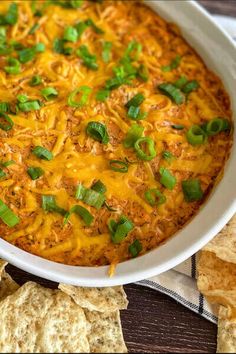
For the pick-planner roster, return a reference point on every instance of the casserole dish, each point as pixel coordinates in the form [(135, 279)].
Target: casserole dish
[(208, 40)]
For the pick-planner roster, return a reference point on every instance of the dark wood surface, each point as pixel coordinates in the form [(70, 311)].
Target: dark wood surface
[(153, 322)]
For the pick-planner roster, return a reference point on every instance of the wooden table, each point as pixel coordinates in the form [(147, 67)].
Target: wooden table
[(153, 322)]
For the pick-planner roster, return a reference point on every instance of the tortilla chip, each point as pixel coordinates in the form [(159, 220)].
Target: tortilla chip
[(224, 244), (105, 334), (7, 285), (97, 299), (35, 319), (226, 337), (217, 279)]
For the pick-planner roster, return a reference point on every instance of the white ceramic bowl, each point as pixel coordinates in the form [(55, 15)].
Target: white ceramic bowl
[(219, 53)]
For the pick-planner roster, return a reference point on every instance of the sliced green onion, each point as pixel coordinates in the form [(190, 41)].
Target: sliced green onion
[(98, 131), (167, 179), (173, 65), (7, 215), (135, 248), (181, 82), (143, 73), (94, 198), (115, 82), (3, 35), (135, 101), (42, 153), (39, 47), (7, 163), (49, 93), (6, 122), (29, 106), (134, 133), (26, 55), (154, 197), (121, 229), (102, 95), (106, 51), (22, 98), (11, 16), (35, 172), (13, 67), (140, 151), (96, 29), (88, 59), (216, 126), (133, 112), (177, 126), (82, 212), (196, 135), (81, 27), (192, 190), (99, 187), (190, 86), (80, 192), (4, 107), (118, 166), (35, 80), (75, 4), (49, 204), (173, 92), (58, 46), (34, 28), (2, 174), (134, 48), (167, 155), (70, 34), (85, 92)]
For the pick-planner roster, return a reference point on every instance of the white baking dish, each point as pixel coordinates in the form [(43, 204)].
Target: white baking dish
[(219, 53)]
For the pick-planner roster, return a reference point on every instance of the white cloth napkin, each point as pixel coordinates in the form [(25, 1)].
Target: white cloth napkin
[(180, 282)]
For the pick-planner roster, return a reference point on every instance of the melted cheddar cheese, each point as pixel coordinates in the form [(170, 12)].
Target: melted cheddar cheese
[(78, 158)]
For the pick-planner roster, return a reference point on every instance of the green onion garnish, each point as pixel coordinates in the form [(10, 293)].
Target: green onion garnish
[(82, 212), (190, 86), (6, 122), (173, 92), (96, 29), (134, 113), (192, 190), (181, 82), (2, 174), (11, 16), (3, 35), (85, 92), (39, 47), (134, 48), (134, 133), (13, 67), (135, 248), (22, 98), (98, 131), (167, 155), (154, 197), (7, 163), (80, 27), (216, 126), (148, 145), (94, 198), (4, 107), (167, 179), (7, 216), (135, 101), (70, 34), (42, 153), (88, 59), (35, 172), (29, 106), (177, 126), (34, 28), (102, 95), (26, 55), (35, 80), (196, 135), (119, 230), (49, 204), (49, 93), (80, 192), (99, 187), (143, 73), (118, 166), (106, 51), (173, 65)]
